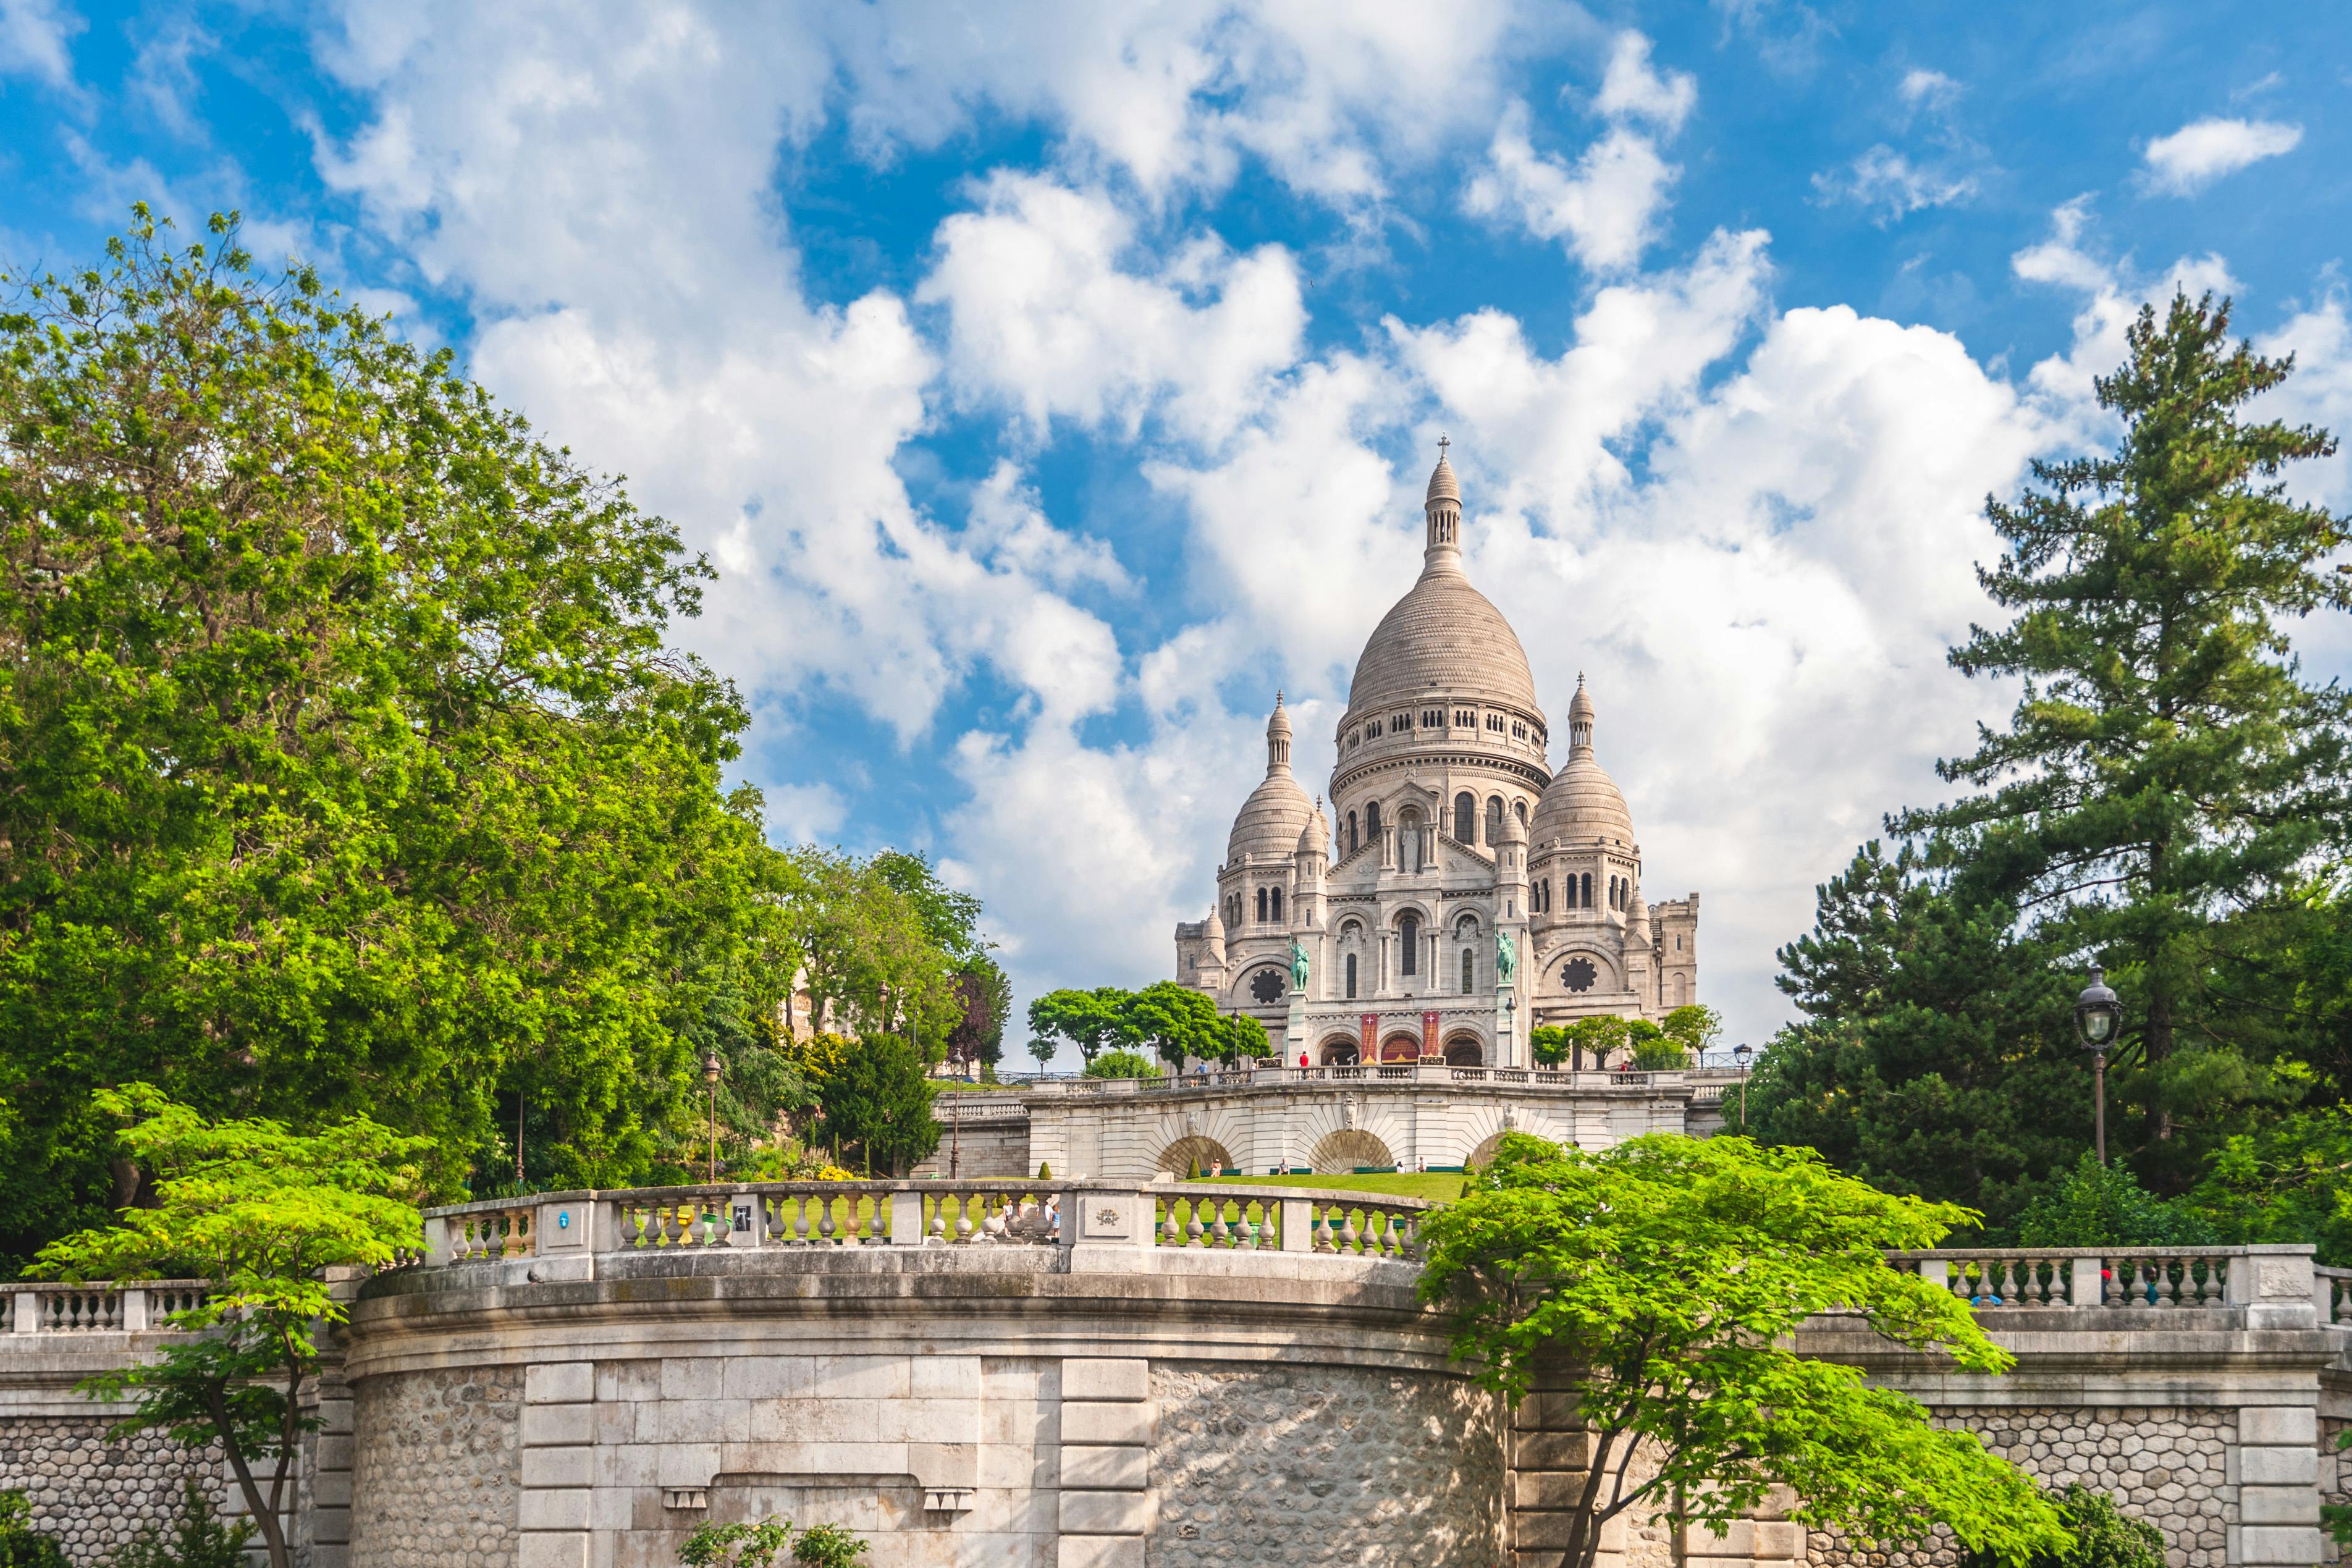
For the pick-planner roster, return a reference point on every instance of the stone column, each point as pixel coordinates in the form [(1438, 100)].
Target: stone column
[(558, 1431), (2277, 1472), (330, 1484), (1107, 1506)]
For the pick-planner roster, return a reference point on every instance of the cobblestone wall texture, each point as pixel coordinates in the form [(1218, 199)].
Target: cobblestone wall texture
[(2167, 1466), (436, 1468), (1323, 1464), (93, 1495)]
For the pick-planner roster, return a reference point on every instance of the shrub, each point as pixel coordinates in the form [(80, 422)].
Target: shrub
[(1044, 1171), (758, 1545), (2105, 1205), (1121, 1064), (200, 1539), (2103, 1537), (22, 1546)]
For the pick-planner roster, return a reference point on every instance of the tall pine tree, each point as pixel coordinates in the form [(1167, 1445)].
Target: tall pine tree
[(2167, 768)]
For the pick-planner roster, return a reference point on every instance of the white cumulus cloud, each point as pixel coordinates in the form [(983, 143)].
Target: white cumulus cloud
[(2203, 151)]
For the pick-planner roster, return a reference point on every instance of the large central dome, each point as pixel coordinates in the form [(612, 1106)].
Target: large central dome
[(1442, 636)]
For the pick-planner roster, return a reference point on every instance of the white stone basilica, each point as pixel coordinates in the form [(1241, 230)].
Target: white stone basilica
[(1457, 891)]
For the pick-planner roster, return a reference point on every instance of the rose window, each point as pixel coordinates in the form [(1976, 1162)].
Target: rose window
[(1266, 985), (1580, 974)]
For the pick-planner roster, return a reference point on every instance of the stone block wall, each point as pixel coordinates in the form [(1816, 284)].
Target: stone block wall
[(94, 1494)]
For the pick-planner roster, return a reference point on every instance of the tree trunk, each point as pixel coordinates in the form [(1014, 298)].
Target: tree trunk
[(264, 1518)]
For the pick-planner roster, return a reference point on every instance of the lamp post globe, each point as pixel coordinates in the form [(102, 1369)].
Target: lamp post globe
[(2098, 1015), (1741, 1053)]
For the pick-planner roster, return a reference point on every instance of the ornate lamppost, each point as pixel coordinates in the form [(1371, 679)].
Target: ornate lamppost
[(710, 1078), (2097, 1013), (1740, 1054)]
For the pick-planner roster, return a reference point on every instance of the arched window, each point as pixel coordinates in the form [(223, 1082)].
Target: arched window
[(1521, 807), (1409, 939), (1465, 818), (1352, 841), (1587, 891), (1261, 906), (1494, 819), (1469, 967), (1373, 820), (1351, 977), (1277, 904)]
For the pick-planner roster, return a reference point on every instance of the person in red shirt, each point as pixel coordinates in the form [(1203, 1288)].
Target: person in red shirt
[(1302, 1059)]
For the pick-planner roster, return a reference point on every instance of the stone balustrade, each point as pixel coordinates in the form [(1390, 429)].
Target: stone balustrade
[(1704, 1083), (577, 1227), (36, 1310)]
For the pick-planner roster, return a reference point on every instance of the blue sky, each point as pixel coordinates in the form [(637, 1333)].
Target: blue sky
[(1052, 383)]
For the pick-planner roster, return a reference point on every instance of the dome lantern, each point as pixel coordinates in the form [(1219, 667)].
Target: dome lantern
[(1442, 508)]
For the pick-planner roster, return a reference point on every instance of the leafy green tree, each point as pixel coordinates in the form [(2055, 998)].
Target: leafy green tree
[(1234, 1037), (258, 1213), (1654, 1049), (877, 1098), (869, 951), (2102, 1535), (1592, 1042), (2166, 766), (1174, 1020), (349, 770), (757, 1545), (1664, 1279), (1696, 1027), (22, 1546), (1092, 1021), (1043, 1049), (1122, 1064), (1549, 1043), (1935, 1056), (2288, 1181)]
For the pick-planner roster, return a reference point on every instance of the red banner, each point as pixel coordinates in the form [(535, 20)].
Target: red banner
[(1429, 1046), (1370, 1049)]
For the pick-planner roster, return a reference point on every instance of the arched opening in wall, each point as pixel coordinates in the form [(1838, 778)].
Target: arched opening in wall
[(1587, 901), (1493, 818), (1338, 1051), (1484, 1155), (1179, 1157), (1465, 817), (1520, 807), (1352, 841), (1401, 1048), (1373, 820), (1465, 1051), (1408, 943), (1469, 971), (1349, 1150), (1351, 977)]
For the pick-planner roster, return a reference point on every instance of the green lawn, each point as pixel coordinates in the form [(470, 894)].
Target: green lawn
[(1438, 1186)]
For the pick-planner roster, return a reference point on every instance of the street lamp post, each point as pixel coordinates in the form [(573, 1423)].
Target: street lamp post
[(1740, 1054), (2097, 1011), (710, 1078)]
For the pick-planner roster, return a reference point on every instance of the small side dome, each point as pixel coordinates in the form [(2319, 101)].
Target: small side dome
[(1514, 830), (1315, 837)]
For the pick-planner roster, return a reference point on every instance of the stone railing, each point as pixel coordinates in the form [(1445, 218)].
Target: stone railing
[(1699, 1083), (46, 1309), (2279, 1283), (998, 1213)]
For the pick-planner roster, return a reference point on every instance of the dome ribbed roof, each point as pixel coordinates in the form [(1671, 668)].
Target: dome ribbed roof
[(1443, 636), (1315, 838), (1582, 804), (1271, 819)]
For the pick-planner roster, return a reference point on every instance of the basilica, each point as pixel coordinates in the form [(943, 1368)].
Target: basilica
[(1455, 892)]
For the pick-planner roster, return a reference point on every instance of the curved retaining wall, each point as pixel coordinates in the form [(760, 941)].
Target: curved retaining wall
[(1034, 1407)]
